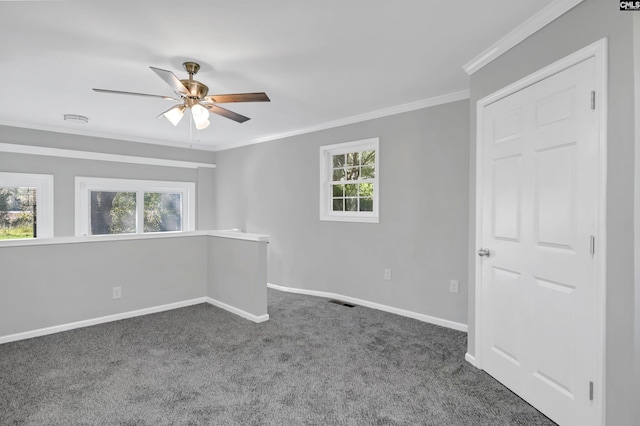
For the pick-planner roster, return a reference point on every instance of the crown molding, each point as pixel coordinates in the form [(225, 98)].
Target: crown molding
[(385, 112), (545, 16), (99, 156)]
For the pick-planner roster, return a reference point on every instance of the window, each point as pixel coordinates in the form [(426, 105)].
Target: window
[(122, 206), (349, 174), (26, 206)]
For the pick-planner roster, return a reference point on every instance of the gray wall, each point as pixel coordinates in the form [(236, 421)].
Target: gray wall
[(49, 285), (205, 198), (56, 284), (583, 25), (238, 274), (273, 188), (66, 169)]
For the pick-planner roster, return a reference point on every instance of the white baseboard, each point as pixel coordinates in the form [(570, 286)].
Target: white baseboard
[(239, 312), (471, 359), (100, 320), (421, 317)]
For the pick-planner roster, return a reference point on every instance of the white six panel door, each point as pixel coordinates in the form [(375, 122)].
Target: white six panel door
[(539, 213)]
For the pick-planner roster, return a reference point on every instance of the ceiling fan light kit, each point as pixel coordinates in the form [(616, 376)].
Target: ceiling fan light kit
[(193, 95)]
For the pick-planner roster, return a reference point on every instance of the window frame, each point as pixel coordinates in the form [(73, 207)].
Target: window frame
[(326, 166), (85, 185), (44, 196)]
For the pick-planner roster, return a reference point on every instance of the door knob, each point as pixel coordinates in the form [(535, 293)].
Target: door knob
[(483, 252)]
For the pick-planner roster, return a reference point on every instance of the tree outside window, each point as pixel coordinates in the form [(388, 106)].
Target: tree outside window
[(18, 213)]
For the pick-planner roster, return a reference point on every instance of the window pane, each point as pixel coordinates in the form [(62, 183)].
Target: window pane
[(348, 177), (162, 212), (353, 159), (368, 158), (366, 204), (366, 190), (351, 189), (113, 212), (353, 173), (17, 213), (368, 172)]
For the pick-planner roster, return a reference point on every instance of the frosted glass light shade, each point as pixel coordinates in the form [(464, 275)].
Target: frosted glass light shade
[(200, 116), (174, 115)]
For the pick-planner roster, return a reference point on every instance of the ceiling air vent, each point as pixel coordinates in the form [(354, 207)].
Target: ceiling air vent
[(76, 118)]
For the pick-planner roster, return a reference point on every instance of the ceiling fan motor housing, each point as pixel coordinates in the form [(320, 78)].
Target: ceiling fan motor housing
[(196, 89)]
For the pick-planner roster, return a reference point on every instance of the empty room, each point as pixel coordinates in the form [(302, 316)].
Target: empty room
[(286, 212)]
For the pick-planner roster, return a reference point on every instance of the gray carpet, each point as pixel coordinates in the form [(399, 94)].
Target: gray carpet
[(313, 363)]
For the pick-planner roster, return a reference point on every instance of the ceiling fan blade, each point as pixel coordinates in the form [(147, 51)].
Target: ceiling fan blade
[(226, 113), (239, 97), (171, 79), (119, 92)]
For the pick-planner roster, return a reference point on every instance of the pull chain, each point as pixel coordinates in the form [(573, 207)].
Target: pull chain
[(190, 132)]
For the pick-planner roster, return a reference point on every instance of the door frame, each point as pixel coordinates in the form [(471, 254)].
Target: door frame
[(598, 51)]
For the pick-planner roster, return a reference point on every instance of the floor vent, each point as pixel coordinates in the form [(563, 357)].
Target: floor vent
[(340, 302)]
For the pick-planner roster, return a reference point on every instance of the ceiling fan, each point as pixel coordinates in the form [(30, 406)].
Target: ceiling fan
[(193, 96)]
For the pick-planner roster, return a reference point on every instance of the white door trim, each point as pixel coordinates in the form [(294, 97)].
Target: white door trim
[(598, 51)]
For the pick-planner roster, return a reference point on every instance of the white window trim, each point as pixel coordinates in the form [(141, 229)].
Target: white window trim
[(44, 194), (326, 152), (85, 185)]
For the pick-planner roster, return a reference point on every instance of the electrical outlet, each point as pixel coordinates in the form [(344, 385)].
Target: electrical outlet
[(454, 286), (117, 292), (387, 274)]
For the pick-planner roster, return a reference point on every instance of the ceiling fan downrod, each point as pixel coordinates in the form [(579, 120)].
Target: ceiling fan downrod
[(196, 89)]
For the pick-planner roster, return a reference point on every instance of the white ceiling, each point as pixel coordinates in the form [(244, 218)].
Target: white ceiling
[(319, 61)]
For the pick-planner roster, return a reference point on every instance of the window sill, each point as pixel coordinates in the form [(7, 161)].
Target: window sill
[(236, 235), (363, 219)]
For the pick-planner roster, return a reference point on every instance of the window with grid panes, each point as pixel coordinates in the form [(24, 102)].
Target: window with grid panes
[(26, 206), (127, 206), (349, 181)]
